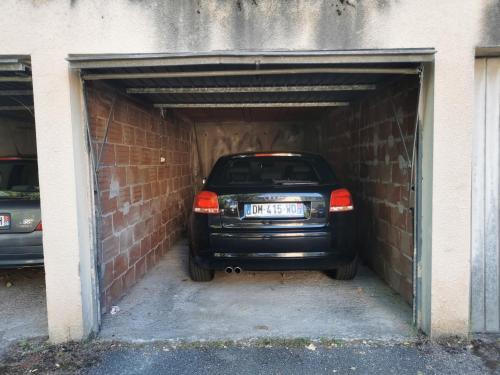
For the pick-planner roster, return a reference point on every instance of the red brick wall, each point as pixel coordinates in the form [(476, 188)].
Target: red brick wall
[(144, 202), (364, 145)]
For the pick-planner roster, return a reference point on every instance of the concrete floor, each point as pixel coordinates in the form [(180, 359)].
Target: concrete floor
[(23, 311), (166, 305)]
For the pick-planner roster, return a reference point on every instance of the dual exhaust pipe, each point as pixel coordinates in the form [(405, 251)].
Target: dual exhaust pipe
[(233, 269)]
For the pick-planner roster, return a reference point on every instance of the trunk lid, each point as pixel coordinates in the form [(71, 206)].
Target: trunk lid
[(313, 198), (24, 215)]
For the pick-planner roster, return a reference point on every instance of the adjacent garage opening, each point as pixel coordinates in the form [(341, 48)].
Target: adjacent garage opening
[(158, 123), (22, 290)]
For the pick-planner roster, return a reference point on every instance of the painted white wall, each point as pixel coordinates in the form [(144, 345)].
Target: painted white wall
[(48, 30)]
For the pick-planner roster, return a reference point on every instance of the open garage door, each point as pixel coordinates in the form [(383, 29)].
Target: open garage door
[(485, 300), (17, 133), (159, 122), (23, 312)]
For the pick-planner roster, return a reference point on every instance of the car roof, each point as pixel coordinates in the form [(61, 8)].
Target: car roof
[(270, 154)]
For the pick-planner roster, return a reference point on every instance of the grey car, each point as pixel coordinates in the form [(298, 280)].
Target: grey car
[(20, 218)]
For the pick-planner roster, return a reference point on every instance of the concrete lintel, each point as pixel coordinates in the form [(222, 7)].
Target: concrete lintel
[(395, 55), (490, 51)]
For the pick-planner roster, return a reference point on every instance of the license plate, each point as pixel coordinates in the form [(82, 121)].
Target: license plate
[(274, 210), (4, 221)]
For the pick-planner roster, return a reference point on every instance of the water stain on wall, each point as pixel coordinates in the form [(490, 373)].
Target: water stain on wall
[(201, 25), (491, 24)]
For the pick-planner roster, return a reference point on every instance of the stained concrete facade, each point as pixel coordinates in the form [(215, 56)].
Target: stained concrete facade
[(49, 30)]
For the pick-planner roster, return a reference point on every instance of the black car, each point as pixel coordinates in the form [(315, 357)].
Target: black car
[(272, 211), (20, 219)]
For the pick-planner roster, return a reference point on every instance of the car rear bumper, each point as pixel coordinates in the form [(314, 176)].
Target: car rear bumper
[(271, 242), (273, 250), (275, 261), (21, 250)]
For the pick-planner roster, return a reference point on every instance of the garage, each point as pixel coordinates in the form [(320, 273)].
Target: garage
[(158, 122), (22, 290)]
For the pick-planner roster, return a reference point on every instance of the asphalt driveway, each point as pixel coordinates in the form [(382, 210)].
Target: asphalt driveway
[(357, 359), (297, 356)]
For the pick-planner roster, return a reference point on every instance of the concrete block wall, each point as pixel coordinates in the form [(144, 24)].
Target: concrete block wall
[(364, 145), (144, 201)]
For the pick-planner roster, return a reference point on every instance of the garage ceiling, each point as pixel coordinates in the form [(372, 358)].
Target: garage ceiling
[(16, 92), (281, 79)]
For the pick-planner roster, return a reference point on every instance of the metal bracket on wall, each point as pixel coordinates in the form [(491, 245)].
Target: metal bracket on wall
[(97, 200), (417, 125), (415, 211), (408, 161), (105, 139)]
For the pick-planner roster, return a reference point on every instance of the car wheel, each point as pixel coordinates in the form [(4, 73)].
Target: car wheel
[(197, 273), (347, 272)]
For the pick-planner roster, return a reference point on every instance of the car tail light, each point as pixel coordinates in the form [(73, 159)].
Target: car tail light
[(39, 227), (341, 200), (206, 202)]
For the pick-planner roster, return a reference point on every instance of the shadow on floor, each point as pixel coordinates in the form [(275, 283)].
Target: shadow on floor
[(23, 311)]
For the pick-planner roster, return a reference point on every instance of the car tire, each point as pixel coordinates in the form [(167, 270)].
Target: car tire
[(197, 273), (347, 272)]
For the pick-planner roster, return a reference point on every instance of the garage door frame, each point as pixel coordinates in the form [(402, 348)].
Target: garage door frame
[(258, 59)]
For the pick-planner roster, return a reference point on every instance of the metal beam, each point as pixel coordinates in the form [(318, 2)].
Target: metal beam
[(15, 79), (12, 67), (16, 92), (15, 107), (250, 89), (8, 60), (251, 105), (252, 58), (251, 72), (493, 51)]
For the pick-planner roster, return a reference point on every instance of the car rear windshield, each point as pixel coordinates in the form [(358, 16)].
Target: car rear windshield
[(19, 179), (270, 170)]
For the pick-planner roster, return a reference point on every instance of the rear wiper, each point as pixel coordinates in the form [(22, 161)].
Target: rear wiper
[(294, 182)]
